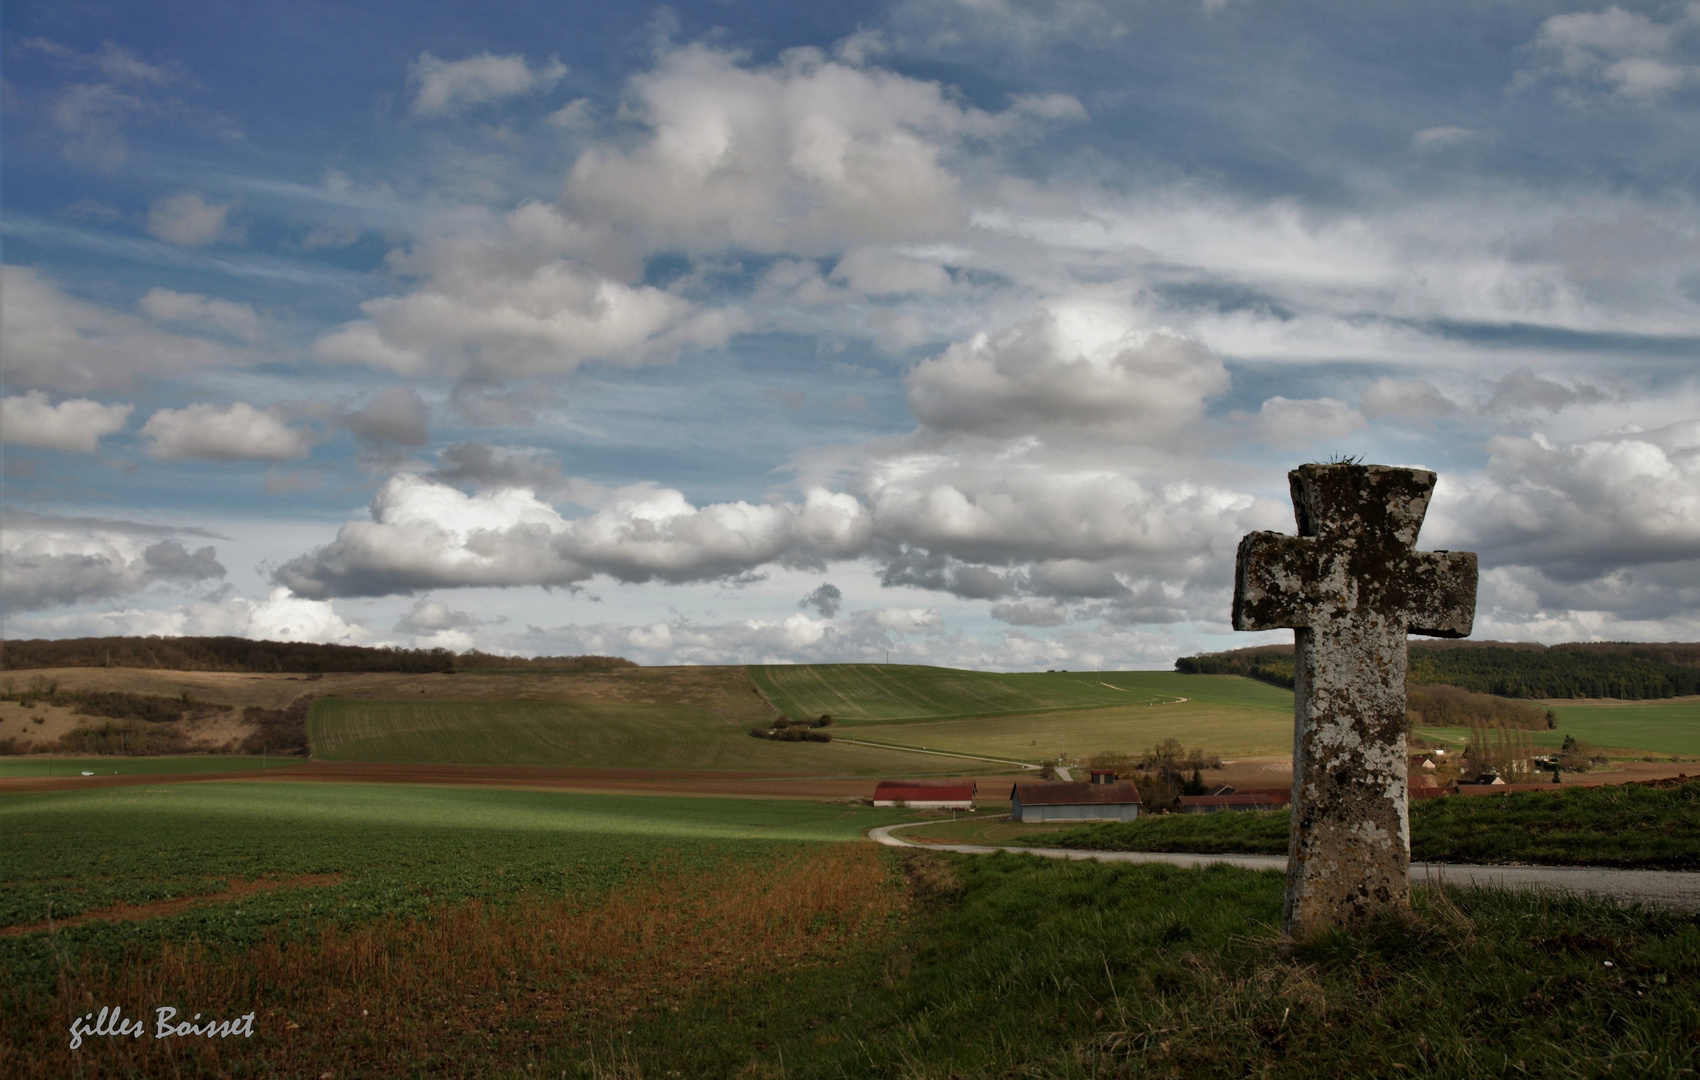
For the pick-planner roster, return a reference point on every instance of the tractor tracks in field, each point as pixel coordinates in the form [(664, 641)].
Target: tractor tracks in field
[(968, 757), (157, 909)]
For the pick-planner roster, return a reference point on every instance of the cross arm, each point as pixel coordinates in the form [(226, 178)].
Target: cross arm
[(1270, 579), (1443, 595)]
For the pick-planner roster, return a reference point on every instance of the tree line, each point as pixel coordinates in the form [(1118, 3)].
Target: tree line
[(245, 655), (1631, 671)]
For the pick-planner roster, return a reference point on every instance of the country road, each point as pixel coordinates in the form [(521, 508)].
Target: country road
[(1667, 888)]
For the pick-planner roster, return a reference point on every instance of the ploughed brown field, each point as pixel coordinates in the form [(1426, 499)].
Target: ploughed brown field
[(995, 789)]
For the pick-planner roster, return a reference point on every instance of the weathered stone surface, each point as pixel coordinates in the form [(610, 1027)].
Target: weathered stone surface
[(1352, 586)]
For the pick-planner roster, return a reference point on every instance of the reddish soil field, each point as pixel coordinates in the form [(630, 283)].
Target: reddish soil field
[(628, 781)]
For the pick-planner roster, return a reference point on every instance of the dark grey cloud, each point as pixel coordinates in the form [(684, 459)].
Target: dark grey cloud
[(480, 466), (169, 560), (1523, 390), (923, 569), (827, 599), (1031, 613), (396, 416)]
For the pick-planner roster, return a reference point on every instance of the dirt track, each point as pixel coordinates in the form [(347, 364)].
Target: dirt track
[(630, 781), (156, 909)]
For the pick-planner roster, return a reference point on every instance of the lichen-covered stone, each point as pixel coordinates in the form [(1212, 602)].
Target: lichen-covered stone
[(1352, 586)]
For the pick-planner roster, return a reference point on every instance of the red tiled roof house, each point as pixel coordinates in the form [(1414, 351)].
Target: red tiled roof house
[(955, 795)]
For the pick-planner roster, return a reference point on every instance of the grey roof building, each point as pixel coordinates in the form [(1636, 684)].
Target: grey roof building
[(1103, 798)]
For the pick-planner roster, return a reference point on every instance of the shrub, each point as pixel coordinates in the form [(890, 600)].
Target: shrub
[(124, 737), (278, 731), (790, 731)]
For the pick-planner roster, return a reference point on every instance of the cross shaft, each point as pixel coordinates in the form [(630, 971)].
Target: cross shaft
[(1351, 586)]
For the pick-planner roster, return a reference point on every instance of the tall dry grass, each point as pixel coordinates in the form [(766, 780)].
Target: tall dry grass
[(468, 984)]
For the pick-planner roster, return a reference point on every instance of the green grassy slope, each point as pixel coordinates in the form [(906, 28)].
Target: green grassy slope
[(882, 693), (1627, 727), (1034, 718), (598, 735), (853, 693), (1670, 727)]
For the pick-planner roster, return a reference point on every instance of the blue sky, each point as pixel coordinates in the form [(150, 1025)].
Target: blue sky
[(974, 331)]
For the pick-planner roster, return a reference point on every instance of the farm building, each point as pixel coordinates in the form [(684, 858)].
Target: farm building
[(1223, 797), (1236, 801), (1103, 798), (956, 795)]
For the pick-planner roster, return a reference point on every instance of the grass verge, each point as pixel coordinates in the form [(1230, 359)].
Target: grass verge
[(1626, 825)]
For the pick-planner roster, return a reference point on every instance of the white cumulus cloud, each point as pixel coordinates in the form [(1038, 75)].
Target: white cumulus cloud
[(1587, 509), (808, 155), (74, 426), (426, 535), (1624, 52), (512, 301), (1289, 422), (1072, 365), (238, 432), (54, 341), (446, 86), (192, 221), (281, 616), (208, 313)]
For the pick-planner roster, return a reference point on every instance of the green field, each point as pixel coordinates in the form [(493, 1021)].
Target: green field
[(602, 735), (1625, 728), (1223, 714), (1619, 825), (1033, 718), (46, 765), (85, 850), (1668, 727), (1037, 717), (873, 693), (438, 952)]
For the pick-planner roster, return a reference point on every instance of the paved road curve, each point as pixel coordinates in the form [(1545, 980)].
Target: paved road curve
[(1664, 887)]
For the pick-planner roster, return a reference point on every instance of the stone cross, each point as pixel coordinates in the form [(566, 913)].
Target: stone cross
[(1351, 586)]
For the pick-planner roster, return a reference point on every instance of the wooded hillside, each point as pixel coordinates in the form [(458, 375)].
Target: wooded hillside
[(241, 654), (1628, 670)]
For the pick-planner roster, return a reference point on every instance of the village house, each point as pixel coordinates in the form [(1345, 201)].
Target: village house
[(1102, 798), (918, 795)]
